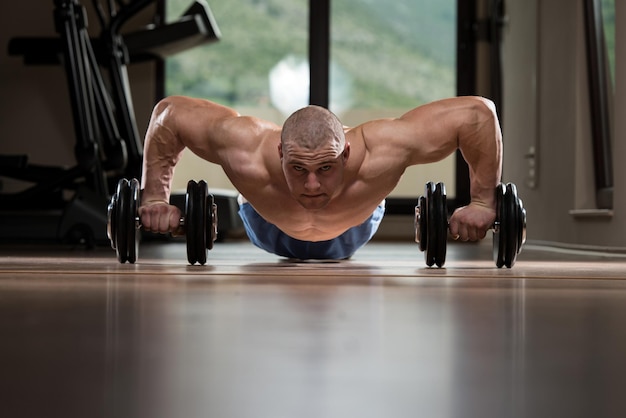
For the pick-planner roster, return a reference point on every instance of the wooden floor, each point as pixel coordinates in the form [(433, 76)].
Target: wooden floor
[(253, 335)]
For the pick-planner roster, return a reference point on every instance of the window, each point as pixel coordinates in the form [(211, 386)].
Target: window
[(600, 40), (608, 23), (257, 36), (386, 58)]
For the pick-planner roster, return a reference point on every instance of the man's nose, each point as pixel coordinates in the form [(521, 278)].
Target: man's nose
[(311, 183)]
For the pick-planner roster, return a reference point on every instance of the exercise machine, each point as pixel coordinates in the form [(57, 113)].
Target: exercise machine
[(68, 204)]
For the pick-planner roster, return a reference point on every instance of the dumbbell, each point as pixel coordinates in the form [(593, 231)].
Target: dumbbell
[(199, 222), (431, 225)]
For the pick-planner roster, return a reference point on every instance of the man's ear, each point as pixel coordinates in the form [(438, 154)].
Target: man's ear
[(346, 153), (280, 150)]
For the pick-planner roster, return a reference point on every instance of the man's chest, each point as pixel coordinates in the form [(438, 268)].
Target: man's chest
[(313, 225)]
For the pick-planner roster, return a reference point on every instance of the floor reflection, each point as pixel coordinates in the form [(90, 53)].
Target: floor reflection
[(339, 344)]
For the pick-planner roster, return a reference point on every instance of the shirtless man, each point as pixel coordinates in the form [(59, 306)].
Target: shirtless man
[(314, 188)]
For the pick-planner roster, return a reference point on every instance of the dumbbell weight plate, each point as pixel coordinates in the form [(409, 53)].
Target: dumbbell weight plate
[(190, 222), (440, 224), (132, 231), (202, 192), (516, 224), (509, 235), (436, 222), (431, 224), (429, 256), (195, 221), (190, 238), (112, 220), (121, 227), (514, 229), (522, 226), (498, 233), (521, 219), (510, 232), (211, 221), (121, 240), (421, 226)]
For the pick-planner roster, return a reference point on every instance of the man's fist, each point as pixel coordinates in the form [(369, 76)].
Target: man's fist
[(160, 217), (471, 223)]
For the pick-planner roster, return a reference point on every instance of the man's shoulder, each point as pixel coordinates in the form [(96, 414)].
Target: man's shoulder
[(372, 133), (369, 139), (251, 128)]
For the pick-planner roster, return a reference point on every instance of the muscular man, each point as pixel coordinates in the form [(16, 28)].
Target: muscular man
[(314, 188)]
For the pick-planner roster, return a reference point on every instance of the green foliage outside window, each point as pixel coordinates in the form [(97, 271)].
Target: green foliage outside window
[(396, 54), (608, 20)]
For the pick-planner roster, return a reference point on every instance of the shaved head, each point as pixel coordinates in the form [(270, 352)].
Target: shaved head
[(313, 153), (311, 128)]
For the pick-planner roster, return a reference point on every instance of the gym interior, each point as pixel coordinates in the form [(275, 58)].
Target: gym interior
[(238, 332)]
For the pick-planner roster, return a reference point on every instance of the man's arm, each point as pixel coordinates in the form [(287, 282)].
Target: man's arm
[(431, 132), (176, 123), (480, 143)]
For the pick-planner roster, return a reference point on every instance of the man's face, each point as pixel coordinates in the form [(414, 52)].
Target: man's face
[(314, 177)]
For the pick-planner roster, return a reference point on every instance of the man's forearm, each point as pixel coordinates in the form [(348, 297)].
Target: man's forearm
[(162, 151), (480, 142)]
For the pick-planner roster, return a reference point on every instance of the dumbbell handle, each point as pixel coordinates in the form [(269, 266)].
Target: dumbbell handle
[(179, 231), (181, 227), (495, 226)]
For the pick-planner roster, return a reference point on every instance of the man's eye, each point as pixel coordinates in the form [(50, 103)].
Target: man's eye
[(298, 168), (325, 168)]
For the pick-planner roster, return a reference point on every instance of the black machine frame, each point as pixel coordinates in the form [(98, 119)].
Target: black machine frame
[(108, 145)]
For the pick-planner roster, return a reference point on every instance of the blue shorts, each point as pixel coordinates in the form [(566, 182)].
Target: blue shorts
[(271, 239)]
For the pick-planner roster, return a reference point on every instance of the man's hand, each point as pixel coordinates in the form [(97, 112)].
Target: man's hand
[(471, 223), (160, 217)]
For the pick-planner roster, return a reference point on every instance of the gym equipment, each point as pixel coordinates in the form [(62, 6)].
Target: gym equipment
[(431, 225), (199, 222), (66, 203), (104, 117)]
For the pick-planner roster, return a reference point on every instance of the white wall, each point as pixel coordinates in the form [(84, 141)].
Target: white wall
[(546, 105)]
